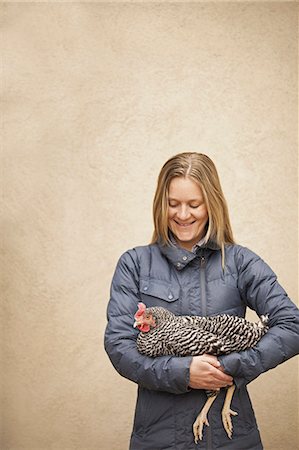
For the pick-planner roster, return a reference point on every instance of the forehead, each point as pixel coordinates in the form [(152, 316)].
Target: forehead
[(184, 189)]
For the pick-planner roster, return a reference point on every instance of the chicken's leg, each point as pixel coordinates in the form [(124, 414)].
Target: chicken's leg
[(202, 419), (227, 412)]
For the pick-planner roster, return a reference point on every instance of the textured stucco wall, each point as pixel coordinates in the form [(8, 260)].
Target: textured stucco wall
[(96, 97)]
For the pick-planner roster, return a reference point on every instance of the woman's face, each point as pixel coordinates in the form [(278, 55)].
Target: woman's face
[(187, 214)]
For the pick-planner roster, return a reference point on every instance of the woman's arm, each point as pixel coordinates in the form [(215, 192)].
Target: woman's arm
[(165, 373), (261, 291)]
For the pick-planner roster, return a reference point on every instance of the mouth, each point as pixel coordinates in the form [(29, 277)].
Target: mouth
[(185, 225)]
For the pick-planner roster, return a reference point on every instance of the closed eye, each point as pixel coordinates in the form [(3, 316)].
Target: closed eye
[(191, 206)]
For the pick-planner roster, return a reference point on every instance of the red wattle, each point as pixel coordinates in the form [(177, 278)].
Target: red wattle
[(145, 328)]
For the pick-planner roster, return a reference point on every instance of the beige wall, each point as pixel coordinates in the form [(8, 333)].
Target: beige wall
[(97, 96)]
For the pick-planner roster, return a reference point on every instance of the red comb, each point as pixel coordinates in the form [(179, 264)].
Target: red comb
[(141, 309)]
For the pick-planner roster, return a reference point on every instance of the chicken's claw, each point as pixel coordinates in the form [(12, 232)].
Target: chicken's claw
[(227, 412), (227, 421), (200, 421)]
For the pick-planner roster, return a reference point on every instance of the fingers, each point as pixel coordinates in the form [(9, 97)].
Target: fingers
[(215, 384), (218, 379), (207, 385), (211, 360), (221, 376), (205, 373)]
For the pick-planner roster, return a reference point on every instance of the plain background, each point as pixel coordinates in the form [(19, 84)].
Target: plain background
[(97, 96)]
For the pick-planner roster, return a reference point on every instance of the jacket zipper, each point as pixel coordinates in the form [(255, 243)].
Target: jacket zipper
[(203, 285), (204, 313)]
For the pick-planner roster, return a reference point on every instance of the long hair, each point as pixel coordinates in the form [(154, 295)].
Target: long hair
[(201, 169)]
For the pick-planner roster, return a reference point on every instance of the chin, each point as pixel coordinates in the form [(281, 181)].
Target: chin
[(186, 238)]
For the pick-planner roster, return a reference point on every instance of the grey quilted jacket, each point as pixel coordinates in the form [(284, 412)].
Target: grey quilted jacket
[(195, 284)]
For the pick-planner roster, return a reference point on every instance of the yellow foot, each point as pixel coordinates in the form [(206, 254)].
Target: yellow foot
[(227, 421), (200, 421)]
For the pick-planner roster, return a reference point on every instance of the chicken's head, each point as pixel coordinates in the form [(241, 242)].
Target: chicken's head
[(144, 320)]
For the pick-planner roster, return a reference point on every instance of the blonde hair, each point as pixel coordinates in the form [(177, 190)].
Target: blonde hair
[(200, 168)]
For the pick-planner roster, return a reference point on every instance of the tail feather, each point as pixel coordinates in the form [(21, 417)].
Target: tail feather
[(263, 321)]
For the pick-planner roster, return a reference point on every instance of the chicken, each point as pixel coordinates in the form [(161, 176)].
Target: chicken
[(164, 333)]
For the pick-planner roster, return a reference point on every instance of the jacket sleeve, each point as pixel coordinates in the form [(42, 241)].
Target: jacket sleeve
[(165, 373), (261, 292)]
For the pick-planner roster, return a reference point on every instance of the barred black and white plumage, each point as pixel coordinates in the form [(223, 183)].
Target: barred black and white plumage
[(163, 333), (195, 335)]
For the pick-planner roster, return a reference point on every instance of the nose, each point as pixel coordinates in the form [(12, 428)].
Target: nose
[(183, 213)]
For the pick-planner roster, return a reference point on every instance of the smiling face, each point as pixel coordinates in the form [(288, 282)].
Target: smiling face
[(187, 213)]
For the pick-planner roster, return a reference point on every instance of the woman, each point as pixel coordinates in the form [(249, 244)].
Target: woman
[(194, 267)]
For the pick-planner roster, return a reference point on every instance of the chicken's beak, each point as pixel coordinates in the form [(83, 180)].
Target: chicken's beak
[(136, 323)]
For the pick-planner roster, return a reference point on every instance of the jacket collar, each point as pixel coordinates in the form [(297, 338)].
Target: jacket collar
[(179, 256)]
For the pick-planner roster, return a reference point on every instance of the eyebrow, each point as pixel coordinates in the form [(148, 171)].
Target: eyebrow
[(192, 200)]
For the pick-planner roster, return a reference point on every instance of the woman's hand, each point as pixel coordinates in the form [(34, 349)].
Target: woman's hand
[(206, 373)]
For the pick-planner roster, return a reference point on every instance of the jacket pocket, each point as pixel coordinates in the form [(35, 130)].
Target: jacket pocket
[(155, 292), (247, 410), (141, 411)]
